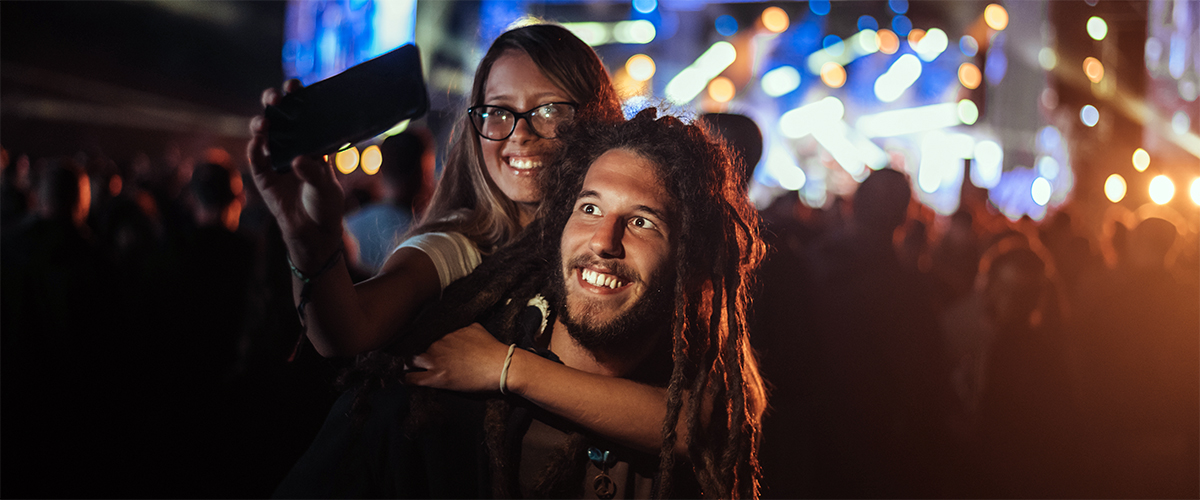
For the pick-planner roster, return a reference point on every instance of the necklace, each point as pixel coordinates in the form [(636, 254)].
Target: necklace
[(604, 485)]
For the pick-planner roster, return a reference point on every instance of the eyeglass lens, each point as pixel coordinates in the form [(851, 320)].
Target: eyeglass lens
[(497, 123)]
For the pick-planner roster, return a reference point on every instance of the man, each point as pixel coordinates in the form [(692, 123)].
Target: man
[(650, 243)]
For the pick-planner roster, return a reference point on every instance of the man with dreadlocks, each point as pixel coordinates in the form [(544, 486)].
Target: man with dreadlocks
[(644, 250)]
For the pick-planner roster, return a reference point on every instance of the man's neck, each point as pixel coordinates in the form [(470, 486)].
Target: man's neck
[(609, 362)]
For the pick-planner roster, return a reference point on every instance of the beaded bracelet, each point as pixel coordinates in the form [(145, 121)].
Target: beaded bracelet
[(306, 290)]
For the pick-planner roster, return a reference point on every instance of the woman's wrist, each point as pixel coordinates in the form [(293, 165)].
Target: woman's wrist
[(312, 253)]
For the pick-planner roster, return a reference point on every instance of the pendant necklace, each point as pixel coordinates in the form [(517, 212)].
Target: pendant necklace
[(604, 485)]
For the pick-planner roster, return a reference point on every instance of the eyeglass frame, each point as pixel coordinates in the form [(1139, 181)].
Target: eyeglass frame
[(518, 116)]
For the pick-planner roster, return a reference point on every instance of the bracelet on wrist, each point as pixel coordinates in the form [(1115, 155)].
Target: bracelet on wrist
[(504, 371)]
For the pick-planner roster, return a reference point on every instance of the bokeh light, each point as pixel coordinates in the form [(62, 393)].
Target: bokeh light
[(346, 160), (889, 43), (645, 6), (372, 159), (1097, 28), (1047, 167), (1141, 159), (726, 25), (1114, 188), (721, 89), (1180, 122), (996, 17), (775, 20), (969, 75), (1047, 59), (1089, 115), (833, 74), (833, 45), (968, 112), (898, 6), (780, 81), (901, 25), (1196, 191), (968, 45), (1161, 190), (1093, 69), (1041, 191), (914, 38), (987, 165), (640, 67), (819, 7), (867, 23)]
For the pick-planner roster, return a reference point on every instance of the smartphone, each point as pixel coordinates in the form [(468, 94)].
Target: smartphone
[(352, 106)]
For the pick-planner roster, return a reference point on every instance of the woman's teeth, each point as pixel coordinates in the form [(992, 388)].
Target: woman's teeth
[(523, 163), (598, 279)]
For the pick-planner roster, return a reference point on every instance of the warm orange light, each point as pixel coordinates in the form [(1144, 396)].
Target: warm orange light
[(1161, 190), (833, 74), (996, 17), (969, 75), (114, 185), (775, 20), (346, 160), (1114, 188), (721, 89), (888, 42), (372, 159), (915, 36), (640, 67), (1141, 160), (1093, 69)]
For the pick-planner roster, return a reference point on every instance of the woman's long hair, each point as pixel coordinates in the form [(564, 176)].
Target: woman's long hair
[(466, 199)]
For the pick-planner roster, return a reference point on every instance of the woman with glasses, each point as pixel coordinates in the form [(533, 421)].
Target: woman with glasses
[(530, 81)]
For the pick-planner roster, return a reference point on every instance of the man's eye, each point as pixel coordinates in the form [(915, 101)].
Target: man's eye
[(642, 222), (589, 208)]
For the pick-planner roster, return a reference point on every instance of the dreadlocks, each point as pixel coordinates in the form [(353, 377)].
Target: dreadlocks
[(715, 255)]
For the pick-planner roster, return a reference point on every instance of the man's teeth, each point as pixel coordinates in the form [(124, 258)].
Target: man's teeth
[(598, 279), (523, 163)]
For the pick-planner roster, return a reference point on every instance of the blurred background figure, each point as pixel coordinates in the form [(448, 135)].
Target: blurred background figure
[(1137, 335), (396, 197)]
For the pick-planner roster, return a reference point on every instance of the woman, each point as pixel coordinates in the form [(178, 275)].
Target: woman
[(532, 79)]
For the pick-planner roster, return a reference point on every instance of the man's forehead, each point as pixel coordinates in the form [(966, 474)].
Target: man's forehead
[(630, 174)]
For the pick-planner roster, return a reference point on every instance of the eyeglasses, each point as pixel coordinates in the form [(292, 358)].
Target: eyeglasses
[(497, 123)]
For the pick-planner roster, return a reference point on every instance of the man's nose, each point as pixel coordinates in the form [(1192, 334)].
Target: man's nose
[(606, 241)]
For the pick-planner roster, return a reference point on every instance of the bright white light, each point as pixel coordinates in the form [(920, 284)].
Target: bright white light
[(781, 165), (1141, 160), (1041, 191), (989, 157), (1180, 122), (1161, 190), (809, 118), (1196, 191), (780, 81), (693, 79), (909, 120), (592, 34), (933, 44), (939, 166), (1114, 188), (371, 160), (833, 139), (968, 113), (1047, 58), (1047, 167), (1089, 115), (1097, 28), (640, 31), (857, 45), (903, 73)]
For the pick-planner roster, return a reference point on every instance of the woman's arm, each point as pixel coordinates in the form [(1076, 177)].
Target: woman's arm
[(340, 318), (628, 412)]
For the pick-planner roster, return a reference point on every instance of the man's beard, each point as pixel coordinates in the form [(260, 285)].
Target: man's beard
[(650, 315)]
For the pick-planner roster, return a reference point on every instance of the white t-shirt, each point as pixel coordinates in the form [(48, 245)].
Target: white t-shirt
[(453, 254)]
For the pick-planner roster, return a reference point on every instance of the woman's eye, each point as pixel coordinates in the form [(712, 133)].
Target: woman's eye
[(642, 222)]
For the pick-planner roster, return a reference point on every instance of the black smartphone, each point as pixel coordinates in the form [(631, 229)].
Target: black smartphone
[(357, 104)]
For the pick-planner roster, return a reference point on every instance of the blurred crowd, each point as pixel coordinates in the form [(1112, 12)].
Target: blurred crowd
[(150, 338)]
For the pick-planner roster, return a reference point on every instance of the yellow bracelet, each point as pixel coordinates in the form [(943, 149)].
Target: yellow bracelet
[(504, 371)]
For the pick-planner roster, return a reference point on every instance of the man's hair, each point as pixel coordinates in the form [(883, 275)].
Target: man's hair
[(717, 249)]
